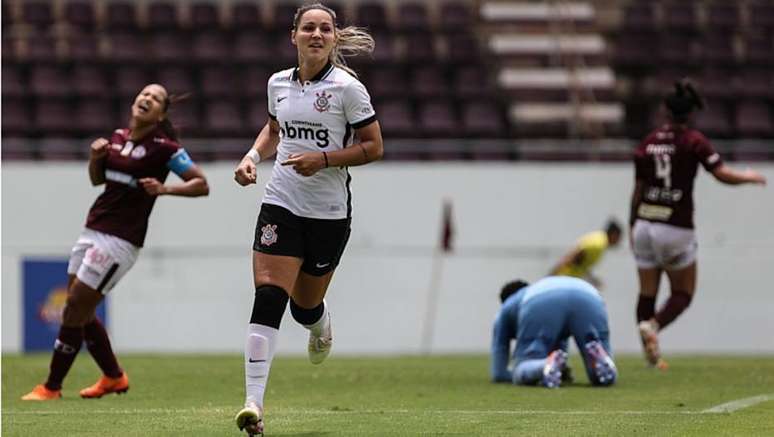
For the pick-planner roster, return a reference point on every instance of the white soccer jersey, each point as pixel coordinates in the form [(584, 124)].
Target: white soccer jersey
[(318, 115)]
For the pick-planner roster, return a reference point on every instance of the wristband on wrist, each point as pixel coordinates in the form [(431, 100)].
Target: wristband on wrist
[(325, 155), (254, 156)]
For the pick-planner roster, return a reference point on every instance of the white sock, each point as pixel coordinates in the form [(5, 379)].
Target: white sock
[(318, 327), (259, 352)]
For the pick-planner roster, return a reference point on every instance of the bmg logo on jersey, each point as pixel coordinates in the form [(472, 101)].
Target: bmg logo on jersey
[(305, 130)]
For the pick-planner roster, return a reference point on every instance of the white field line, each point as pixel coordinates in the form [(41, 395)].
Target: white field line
[(293, 412), (730, 407)]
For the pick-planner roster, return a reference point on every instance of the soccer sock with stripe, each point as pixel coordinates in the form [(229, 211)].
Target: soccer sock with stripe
[(98, 344), (66, 348)]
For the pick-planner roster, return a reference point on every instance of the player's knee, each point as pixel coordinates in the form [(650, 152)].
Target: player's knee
[(269, 305), (306, 316)]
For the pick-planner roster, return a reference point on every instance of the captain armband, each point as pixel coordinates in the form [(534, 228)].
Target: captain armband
[(180, 162)]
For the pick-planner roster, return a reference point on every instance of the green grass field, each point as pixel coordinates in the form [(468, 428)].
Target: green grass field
[(197, 395)]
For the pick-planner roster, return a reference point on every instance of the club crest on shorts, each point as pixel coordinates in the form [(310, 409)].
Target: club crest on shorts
[(321, 103), (268, 235)]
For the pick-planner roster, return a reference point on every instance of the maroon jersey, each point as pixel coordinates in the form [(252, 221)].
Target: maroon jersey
[(123, 208), (666, 163)]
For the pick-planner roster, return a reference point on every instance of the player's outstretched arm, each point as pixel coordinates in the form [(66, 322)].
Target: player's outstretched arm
[(727, 175), (265, 145), (194, 185)]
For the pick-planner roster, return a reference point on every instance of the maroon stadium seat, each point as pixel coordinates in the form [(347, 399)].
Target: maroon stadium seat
[(753, 119), (13, 82), (120, 16), (716, 84), (204, 15), (680, 17), (83, 48), (162, 16), (761, 15), (285, 53), (53, 117), (94, 117), (90, 81), (80, 15), (16, 118), (482, 119), (253, 47), (412, 17), (41, 48), (463, 49), (254, 81), (755, 84), (372, 16), (246, 17), (212, 47), (635, 51), (220, 82), (386, 82), (759, 50), (125, 48), (177, 80), (129, 81), (223, 118), (174, 47), (455, 17), (714, 121), (718, 49), (428, 81), (420, 48), (680, 50), (723, 17), (49, 81), (395, 119), (639, 17), (257, 115), (38, 14), (437, 119), (471, 82), (283, 18)]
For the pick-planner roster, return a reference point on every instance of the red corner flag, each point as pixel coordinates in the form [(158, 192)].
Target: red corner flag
[(447, 232)]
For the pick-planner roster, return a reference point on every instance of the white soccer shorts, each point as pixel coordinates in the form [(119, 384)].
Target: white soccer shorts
[(100, 260), (661, 245)]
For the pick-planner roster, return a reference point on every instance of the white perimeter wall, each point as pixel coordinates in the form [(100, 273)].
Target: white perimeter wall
[(191, 289)]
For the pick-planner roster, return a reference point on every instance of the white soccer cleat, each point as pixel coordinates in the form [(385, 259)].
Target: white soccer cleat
[(649, 336), (320, 346), (250, 420), (552, 371)]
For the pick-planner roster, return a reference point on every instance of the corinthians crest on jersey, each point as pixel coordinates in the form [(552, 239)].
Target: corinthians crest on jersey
[(318, 115)]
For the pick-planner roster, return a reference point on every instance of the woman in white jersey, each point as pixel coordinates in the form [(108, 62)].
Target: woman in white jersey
[(320, 122)]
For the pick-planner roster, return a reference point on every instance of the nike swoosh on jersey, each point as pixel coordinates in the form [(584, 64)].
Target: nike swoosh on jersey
[(279, 99)]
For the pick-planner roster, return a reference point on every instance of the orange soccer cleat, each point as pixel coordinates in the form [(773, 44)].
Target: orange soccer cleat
[(106, 385), (41, 393)]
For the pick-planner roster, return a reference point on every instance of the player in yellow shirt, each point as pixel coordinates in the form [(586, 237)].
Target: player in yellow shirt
[(587, 252)]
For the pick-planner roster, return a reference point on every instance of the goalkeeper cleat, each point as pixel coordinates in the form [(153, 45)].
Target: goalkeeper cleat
[(552, 371), (106, 385), (250, 420), (600, 363), (649, 337), (320, 346), (41, 393)]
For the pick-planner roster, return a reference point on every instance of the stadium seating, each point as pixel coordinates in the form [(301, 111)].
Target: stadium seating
[(438, 71)]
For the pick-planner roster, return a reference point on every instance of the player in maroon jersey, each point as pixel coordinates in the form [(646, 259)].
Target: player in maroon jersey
[(662, 234), (133, 165)]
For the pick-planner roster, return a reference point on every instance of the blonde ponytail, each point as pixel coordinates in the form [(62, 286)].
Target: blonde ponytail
[(350, 41)]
